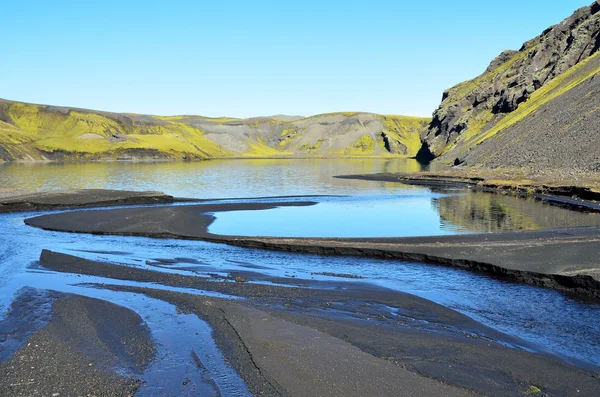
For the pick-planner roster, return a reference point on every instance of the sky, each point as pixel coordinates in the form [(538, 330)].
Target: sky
[(257, 58)]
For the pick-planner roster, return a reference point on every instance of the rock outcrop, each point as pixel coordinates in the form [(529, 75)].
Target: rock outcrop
[(476, 112)]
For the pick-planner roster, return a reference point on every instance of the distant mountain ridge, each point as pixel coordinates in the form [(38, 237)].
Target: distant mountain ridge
[(30, 132), (536, 108)]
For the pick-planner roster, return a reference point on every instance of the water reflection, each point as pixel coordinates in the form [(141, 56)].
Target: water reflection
[(485, 212), (378, 209), (210, 179), (402, 215), (410, 214), (545, 317)]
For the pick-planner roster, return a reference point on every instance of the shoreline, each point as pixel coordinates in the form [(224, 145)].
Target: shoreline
[(371, 335), (75, 350), (553, 189), (199, 160), (562, 259), (21, 201)]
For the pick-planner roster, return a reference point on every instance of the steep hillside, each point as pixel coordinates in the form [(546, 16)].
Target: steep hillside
[(535, 108), (335, 134), (37, 132)]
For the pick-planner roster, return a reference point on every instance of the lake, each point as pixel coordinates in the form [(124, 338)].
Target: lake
[(550, 321)]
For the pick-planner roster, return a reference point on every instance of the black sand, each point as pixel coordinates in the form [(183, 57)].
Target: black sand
[(298, 341), (564, 259), (79, 352), (12, 201), (334, 338)]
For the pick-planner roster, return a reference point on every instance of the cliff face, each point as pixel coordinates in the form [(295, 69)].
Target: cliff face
[(36, 132), (476, 112)]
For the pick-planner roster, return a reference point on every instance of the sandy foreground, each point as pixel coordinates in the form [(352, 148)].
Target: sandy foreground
[(336, 338)]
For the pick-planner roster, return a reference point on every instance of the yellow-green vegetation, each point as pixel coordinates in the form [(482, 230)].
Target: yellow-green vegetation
[(533, 390), (478, 123), (220, 120), (287, 131), (261, 149), (216, 120), (558, 86), (363, 145), (9, 134), (407, 130), (462, 89), (287, 136), (486, 125), (312, 148), (39, 131)]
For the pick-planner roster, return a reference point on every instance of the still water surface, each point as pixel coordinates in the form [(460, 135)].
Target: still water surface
[(550, 321), (211, 179)]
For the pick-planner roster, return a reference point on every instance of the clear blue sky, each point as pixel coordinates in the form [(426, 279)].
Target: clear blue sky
[(249, 58)]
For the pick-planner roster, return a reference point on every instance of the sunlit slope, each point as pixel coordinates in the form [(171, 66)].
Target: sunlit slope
[(534, 108), (557, 128), (37, 132), (329, 135)]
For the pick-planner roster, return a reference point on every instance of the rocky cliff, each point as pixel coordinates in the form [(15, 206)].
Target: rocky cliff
[(536, 107), (37, 132)]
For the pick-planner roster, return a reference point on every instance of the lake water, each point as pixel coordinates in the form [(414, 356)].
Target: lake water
[(211, 179), (544, 318)]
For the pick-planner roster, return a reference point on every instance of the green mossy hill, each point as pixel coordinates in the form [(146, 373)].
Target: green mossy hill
[(517, 86), (31, 132), (36, 132), (357, 134), (323, 135)]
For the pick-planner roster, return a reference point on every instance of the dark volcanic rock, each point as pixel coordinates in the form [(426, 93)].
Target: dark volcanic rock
[(511, 79), (500, 59), (562, 135)]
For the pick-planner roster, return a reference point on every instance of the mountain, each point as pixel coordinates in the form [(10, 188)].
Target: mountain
[(537, 108), (31, 132), (285, 117)]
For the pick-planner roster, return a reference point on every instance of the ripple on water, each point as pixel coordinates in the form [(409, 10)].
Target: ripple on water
[(553, 321)]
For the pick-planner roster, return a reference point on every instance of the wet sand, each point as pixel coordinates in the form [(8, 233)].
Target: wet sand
[(563, 259), (16, 200), (307, 337), (342, 338), (77, 351)]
